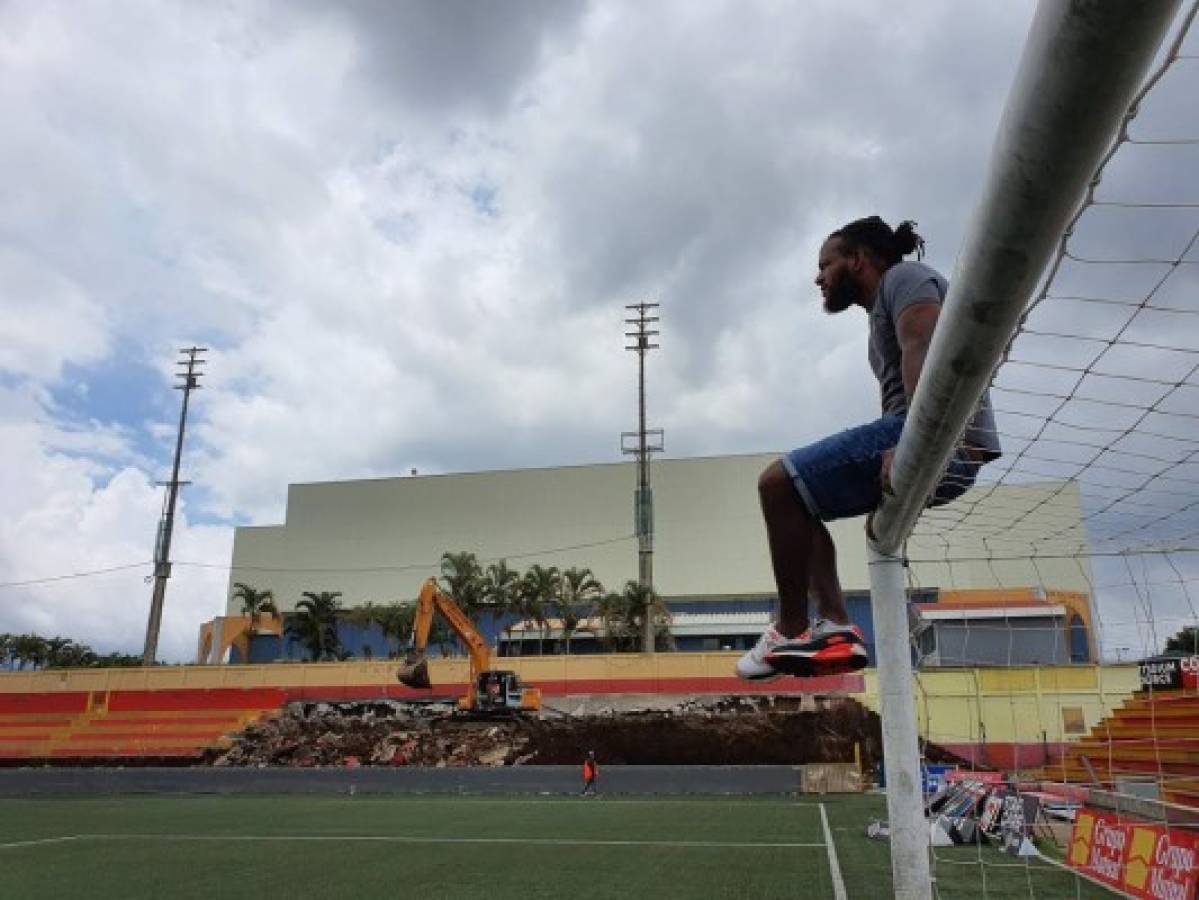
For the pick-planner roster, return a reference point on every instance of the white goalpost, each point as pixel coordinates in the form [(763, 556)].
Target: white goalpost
[(1081, 66)]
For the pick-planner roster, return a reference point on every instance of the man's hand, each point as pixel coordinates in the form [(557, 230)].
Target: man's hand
[(884, 472)]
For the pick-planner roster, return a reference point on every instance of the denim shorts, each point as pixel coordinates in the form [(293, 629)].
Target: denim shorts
[(838, 477)]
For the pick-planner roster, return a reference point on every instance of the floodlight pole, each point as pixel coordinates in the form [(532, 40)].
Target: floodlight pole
[(1081, 66), (189, 380), (648, 441)]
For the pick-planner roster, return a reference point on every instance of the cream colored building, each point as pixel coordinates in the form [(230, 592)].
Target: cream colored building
[(377, 540)]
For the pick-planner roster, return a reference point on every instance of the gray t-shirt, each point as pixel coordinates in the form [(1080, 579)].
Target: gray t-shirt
[(903, 285)]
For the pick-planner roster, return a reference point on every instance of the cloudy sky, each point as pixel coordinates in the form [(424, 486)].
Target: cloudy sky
[(407, 232)]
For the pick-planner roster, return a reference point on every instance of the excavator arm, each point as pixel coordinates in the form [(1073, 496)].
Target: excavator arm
[(415, 670)]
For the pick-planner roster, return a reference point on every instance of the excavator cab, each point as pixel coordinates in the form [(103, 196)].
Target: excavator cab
[(497, 692)]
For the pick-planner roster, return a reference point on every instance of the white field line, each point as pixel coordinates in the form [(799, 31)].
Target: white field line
[(600, 800), (34, 843), (1083, 875), (415, 839), (833, 864)]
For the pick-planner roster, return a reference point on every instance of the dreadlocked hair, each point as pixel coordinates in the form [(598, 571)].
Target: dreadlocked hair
[(877, 237)]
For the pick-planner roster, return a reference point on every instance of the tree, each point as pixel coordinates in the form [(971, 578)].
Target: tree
[(578, 594), (396, 620), (500, 585), (64, 653), (540, 589), (253, 601), (31, 649), (77, 656), (365, 617), (19, 650), (119, 661), (642, 602), (612, 612), (463, 580), (501, 591), (624, 615), (1185, 643), (314, 624)]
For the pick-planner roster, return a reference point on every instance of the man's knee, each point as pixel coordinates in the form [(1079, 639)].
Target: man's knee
[(776, 490)]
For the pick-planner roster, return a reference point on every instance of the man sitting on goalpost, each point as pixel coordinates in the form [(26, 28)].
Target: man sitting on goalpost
[(845, 475)]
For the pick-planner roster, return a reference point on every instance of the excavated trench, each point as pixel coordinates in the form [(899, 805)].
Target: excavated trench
[(692, 731)]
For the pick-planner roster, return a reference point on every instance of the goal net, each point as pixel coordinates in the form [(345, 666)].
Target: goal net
[(1056, 644)]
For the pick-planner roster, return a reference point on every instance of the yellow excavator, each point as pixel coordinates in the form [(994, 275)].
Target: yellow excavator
[(491, 691)]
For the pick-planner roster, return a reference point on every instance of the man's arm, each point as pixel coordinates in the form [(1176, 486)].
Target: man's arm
[(914, 333)]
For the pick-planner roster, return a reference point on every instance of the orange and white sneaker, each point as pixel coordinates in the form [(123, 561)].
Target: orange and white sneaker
[(824, 649), (752, 666)]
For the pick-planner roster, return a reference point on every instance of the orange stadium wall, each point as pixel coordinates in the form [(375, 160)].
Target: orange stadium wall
[(666, 673), (1000, 717)]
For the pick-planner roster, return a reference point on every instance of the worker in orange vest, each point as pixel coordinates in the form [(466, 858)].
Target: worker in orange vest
[(590, 774)]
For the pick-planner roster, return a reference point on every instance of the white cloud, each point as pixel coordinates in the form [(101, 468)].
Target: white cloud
[(64, 512), (408, 232), (51, 319)]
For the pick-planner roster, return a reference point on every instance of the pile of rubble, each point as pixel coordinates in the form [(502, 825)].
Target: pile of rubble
[(373, 734), (685, 731)]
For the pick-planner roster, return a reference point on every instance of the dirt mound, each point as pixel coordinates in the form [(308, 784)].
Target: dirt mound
[(711, 731)]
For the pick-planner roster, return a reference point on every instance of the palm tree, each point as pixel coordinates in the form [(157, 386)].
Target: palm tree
[(578, 595), (396, 620), (314, 624), (641, 602), (540, 589), (612, 611), (624, 615), (365, 617), (501, 591), (253, 601), (463, 578)]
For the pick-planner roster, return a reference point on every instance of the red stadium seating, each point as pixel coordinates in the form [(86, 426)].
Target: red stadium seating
[(1153, 737), (129, 726)]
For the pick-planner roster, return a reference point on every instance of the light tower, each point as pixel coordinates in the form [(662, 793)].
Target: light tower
[(642, 443), (189, 376)]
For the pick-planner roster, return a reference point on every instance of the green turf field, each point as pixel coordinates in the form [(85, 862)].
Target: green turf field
[(495, 848)]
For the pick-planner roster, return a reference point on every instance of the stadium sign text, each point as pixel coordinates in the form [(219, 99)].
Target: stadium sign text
[(1169, 673), (1143, 860)]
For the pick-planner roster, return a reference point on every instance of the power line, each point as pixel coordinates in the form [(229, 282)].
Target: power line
[(52, 578), (228, 567), (409, 567)]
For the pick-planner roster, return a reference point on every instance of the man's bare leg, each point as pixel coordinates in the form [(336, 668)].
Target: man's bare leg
[(825, 585), (790, 530)]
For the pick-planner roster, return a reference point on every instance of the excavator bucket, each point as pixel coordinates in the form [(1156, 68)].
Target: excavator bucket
[(415, 671)]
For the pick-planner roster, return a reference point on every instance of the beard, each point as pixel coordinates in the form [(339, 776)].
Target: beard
[(842, 295)]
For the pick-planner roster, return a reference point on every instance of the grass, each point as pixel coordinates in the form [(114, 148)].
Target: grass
[(472, 847)]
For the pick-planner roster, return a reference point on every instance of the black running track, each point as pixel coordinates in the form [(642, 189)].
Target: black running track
[(526, 780)]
